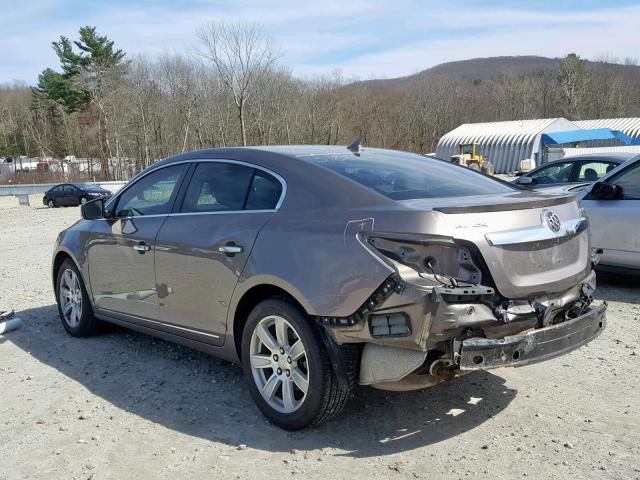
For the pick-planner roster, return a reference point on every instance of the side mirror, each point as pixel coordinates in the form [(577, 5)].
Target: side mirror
[(606, 191), (93, 209), (524, 180)]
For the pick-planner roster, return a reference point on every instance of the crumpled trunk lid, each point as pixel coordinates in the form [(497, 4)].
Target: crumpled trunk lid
[(532, 244)]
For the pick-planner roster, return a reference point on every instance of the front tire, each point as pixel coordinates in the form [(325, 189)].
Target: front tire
[(287, 367), (51, 203), (74, 307)]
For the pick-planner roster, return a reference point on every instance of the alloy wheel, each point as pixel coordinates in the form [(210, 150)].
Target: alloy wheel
[(50, 204), (70, 294), (279, 364)]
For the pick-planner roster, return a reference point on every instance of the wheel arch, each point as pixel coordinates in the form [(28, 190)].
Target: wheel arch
[(58, 260), (247, 302)]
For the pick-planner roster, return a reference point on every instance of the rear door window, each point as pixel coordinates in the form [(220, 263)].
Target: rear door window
[(218, 187), (264, 193)]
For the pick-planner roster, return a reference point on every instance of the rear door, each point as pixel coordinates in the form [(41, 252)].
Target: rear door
[(615, 223), (121, 249), (202, 248), (71, 195)]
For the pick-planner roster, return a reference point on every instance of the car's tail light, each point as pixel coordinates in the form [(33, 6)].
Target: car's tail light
[(429, 257)]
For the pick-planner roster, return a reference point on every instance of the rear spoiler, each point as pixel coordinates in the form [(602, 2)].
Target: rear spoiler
[(503, 207)]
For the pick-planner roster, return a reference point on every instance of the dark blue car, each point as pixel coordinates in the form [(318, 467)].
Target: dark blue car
[(71, 194)]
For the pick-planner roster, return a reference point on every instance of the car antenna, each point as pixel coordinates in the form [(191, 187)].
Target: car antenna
[(356, 146)]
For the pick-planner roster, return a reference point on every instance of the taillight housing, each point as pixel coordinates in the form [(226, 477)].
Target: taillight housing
[(430, 257)]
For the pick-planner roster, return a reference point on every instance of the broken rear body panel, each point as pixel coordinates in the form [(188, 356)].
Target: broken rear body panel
[(510, 278)]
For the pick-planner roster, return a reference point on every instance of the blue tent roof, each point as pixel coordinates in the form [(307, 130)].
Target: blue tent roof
[(623, 137), (575, 136)]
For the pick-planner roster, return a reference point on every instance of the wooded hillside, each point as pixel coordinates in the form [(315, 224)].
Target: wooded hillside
[(129, 110)]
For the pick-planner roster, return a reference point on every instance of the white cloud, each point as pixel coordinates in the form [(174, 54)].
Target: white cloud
[(588, 34), (384, 38)]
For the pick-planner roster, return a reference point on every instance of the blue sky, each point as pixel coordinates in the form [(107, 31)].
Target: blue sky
[(362, 39)]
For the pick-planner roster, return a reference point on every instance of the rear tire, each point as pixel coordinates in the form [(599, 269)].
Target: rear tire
[(474, 166), (74, 306), (276, 367), (487, 167)]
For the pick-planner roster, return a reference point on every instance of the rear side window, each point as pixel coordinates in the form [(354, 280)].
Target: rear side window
[(405, 176), (264, 193)]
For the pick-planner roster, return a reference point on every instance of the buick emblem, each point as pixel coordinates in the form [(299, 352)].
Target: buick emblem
[(553, 222)]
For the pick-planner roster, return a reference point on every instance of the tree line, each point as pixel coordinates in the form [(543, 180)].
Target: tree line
[(128, 111)]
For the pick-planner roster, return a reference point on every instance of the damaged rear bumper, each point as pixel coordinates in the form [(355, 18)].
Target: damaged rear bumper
[(533, 346)]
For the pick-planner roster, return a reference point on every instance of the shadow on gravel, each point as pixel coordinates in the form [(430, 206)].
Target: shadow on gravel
[(198, 395), (618, 288)]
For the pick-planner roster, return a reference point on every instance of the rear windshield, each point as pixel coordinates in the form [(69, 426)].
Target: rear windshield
[(405, 176)]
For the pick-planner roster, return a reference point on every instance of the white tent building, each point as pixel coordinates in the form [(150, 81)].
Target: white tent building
[(508, 143), (504, 143)]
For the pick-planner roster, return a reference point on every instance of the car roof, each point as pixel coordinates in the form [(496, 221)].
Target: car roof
[(297, 150), (618, 157), (292, 153)]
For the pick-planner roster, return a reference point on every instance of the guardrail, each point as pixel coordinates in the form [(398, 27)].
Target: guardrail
[(35, 188)]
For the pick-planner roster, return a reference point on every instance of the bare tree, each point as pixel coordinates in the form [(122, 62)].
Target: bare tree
[(573, 79), (242, 55)]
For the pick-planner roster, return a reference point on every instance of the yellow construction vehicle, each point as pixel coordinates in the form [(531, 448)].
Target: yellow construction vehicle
[(469, 156)]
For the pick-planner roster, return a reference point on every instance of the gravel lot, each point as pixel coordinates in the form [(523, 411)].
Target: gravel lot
[(125, 405)]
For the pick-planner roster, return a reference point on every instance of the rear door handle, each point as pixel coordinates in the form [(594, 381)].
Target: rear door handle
[(142, 247), (230, 249)]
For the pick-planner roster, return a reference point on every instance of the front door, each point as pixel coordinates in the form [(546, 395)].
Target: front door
[(614, 223), (202, 249), (67, 197), (121, 249)]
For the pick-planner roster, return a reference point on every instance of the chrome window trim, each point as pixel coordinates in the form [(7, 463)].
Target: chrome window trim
[(278, 177), (181, 214), (537, 233)]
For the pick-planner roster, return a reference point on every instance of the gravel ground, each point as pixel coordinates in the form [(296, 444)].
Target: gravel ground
[(125, 405)]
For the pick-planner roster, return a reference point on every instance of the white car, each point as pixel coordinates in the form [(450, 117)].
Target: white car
[(613, 209)]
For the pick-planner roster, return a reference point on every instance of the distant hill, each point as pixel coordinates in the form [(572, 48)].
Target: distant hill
[(486, 68)]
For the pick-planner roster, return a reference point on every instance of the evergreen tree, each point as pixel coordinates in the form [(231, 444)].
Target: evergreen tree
[(81, 70)]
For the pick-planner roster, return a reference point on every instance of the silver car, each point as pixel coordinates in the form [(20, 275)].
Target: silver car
[(323, 268), (613, 208), (579, 169)]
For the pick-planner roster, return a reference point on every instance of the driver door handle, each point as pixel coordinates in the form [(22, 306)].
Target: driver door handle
[(142, 247), (230, 249)]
